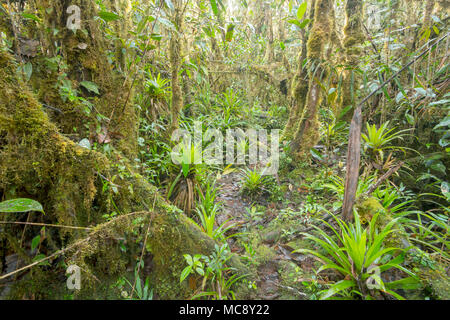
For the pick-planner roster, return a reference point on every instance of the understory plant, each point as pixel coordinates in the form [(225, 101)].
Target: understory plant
[(207, 209), (255, 184), (337, 185), (359, 255), (217, 278), (185, 189), (378, 140)]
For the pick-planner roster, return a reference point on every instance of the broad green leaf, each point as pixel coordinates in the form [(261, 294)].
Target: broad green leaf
[(90, 86), (28, 70), (338, 287), (304, 23), (410, 119), (31, 16), (156, 36), (20, 205), (85, 144), (40, 257), (436, 30), (230, 32), (408, 283), (214, 7), (421, 91), (35, 242), (108, 16), (188, 259), (185, 273), (400, 96), (302, 10), (294, 21)]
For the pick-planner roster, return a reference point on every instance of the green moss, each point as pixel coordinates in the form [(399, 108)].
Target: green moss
[(264, 254), (301, 244), (437, 282), (115, 99), (367, 208), (307, 132), (290, 275), (170, 239)]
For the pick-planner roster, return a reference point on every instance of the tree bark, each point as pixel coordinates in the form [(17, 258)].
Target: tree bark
[(307, 133), (299, 86), (175, 64), (352, 44)]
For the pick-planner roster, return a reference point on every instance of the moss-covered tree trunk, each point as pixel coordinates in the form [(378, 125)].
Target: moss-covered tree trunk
[(352, 44), (299, 86), (269, 56), (72, 183), (307, 132), (111, 114), (175, 63), (121, 28)]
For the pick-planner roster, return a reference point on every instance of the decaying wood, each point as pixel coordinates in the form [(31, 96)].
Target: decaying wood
[(353, 161), (384, 177)]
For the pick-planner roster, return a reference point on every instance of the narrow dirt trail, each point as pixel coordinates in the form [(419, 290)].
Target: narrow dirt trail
[(234, 208)]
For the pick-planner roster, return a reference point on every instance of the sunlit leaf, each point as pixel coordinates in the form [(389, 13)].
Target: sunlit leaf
[(214, 7), (230, 32), (108, 16), (302, 10), (35, 242), (20, 205), (31, 16)]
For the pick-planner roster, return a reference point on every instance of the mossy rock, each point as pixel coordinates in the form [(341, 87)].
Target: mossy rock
[(271, 237)]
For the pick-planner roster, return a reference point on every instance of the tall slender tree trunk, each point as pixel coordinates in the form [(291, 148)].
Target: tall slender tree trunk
[(175, 64), (269, 56), (299, 85), (352, 44), (307, 133)]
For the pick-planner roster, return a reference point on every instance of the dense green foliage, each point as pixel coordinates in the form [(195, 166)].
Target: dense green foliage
[(90, 175)]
